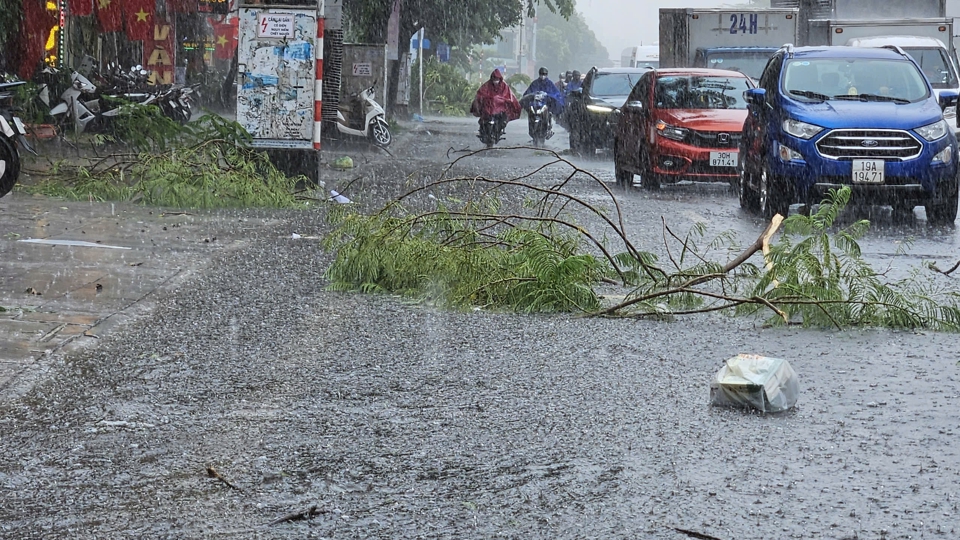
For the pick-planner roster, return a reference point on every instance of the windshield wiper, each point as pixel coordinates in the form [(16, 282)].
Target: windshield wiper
[(810, 94), (873, 97)]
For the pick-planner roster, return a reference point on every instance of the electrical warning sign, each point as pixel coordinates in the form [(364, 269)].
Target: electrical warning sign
[(275, 25)]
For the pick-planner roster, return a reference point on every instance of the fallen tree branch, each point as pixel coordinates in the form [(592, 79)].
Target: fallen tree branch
[(945, 272), (299, 516), (212, 473), (694, 534)]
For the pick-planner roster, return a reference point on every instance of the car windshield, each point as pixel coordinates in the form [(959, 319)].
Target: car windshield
[(865, 79), (701, 92), (614, 84), (750, 64), (935, 65)]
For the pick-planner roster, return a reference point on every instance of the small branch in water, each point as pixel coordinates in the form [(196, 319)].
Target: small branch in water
[(299, 516), (212, 473), (945, 272), (694, 534)]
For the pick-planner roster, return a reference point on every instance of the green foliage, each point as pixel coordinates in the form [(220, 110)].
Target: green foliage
[(460, 24), (10, 16), (445, 90), (30, 109), (568, 43), (518, 83), (818, 277), (473, 254), (207, 164), (449, 262)]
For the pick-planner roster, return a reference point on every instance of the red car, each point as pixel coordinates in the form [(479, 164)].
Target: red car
[(681, 124)]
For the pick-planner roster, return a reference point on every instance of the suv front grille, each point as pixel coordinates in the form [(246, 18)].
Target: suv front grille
[(713, 139), (869, 144)]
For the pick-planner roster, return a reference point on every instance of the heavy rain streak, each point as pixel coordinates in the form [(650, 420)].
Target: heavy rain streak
[(479, 269)]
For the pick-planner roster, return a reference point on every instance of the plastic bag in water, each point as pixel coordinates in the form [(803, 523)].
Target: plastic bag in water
[(750, 380)]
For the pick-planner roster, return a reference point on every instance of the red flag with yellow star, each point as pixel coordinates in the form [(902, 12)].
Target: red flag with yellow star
[(110, 15), (80, 8), (225, 41), (182, 6), (138, 15)]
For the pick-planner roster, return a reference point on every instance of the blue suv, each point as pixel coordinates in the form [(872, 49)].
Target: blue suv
[(825, 117)]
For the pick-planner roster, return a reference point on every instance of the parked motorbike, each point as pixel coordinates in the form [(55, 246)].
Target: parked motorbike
[(90, 108), (538, 117), (81, 102), (362, 116), (491, 130), (12, 132)]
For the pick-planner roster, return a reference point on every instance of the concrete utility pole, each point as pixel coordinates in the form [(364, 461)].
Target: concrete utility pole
[(420, 59), (533, 42), (523, 52)]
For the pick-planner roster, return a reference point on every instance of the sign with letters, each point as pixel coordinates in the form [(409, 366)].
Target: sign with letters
[(362, 69), (275, 25)]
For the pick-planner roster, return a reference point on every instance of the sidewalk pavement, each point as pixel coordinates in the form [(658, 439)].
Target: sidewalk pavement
[(71, 272)]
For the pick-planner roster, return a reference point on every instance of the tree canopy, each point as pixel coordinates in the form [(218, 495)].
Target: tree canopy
[(568, 43), (462, 23)]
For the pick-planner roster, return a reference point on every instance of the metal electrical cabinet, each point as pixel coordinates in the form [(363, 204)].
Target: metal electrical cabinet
[(276, 72)]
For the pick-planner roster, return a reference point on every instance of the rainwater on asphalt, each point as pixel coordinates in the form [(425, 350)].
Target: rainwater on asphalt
[(398, 420)]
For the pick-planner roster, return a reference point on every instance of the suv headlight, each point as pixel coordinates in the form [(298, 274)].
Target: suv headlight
[(600, 109), (671, 132), (933, 131), (800, 129)]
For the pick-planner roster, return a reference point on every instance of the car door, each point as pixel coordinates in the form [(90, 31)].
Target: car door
[(761, 118), (635, 114)]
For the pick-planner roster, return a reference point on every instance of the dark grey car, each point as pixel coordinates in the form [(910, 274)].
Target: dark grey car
[(593, 111)]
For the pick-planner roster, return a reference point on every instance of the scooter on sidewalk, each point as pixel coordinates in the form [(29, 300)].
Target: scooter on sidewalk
[(12, 131), (362, 116)]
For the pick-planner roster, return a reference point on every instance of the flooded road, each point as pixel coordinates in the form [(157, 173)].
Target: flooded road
[(249, 397)]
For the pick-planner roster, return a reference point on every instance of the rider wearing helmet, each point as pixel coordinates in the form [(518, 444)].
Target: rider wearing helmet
[(554, 96)]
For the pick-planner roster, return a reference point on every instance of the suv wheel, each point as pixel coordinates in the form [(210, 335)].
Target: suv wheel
[(575, 145), (748, 197), (648, 179), (773, 200), (945, 211), (624, 178)]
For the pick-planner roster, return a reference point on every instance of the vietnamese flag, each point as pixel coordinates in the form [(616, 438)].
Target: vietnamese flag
[(225, 41), (110, 15), (80, 8), (182, 6), (138, 15)]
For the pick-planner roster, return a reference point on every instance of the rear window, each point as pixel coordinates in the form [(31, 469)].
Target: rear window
[(700, 92)]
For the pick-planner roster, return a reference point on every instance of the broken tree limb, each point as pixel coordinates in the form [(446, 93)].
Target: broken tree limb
[(212, 473), (299, 516), (694, 534), (761, 244), (945, 272), (758, 245)]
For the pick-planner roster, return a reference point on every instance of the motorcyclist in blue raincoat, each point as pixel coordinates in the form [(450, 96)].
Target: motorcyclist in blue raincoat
[(554, 95)]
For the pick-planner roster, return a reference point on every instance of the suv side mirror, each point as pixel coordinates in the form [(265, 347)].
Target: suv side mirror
[(755, 96), (635, 106), (948, 98)]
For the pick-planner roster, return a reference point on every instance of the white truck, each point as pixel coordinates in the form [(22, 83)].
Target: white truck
[(641, 56), (725, 38)]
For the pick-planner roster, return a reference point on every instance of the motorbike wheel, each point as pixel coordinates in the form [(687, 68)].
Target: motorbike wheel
[(380, 133), (9, 165)]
